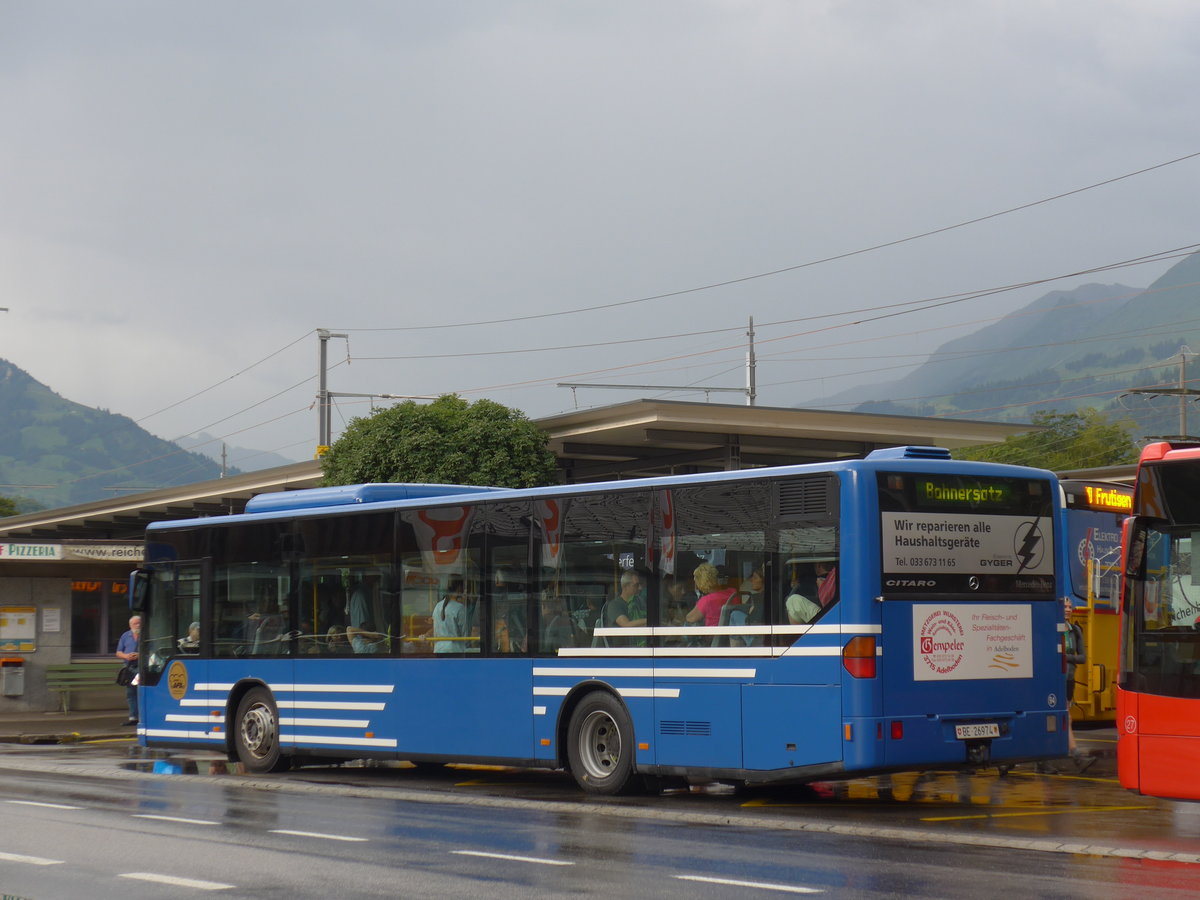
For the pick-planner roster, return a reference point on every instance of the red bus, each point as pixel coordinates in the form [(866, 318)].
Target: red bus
[(1158, 690)]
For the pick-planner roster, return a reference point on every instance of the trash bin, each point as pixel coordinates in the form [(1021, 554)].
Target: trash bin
[(12, 676)]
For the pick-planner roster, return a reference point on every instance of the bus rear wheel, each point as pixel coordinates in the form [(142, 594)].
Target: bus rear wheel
[(600, 745), (256, 733)]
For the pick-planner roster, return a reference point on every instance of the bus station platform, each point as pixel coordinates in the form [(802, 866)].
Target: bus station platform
[(64, 727)]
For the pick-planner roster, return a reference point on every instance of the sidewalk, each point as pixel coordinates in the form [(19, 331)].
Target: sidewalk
[(64, 728)]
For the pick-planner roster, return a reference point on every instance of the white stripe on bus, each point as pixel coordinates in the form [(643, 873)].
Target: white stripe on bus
[(641, 652), (653, 672), (665, 693), (325, 723), (732, 630), (336, 739), (210, 687), (171, 734)]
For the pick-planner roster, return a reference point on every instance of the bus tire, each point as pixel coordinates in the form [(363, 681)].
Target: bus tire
[(600, 745), (256, 733)]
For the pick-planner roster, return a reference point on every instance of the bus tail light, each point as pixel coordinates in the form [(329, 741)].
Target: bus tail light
[(897, 731), (858, 657)]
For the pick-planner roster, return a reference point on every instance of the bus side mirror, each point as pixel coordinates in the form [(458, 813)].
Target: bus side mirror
[(139, 585), (1133, 543)]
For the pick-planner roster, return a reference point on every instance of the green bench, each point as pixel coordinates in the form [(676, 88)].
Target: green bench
[(71, 678)]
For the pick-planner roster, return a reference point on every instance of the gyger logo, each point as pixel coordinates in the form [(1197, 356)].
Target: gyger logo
[(940, 639)]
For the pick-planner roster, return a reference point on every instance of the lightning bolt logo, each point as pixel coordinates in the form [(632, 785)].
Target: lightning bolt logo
[(1028, 542)]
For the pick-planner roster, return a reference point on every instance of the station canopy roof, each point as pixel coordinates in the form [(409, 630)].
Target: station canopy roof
[(626, 440)]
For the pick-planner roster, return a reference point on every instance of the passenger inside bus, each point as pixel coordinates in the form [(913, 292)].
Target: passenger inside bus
[(191, 642), (713, 595), (803, 609), (335, 642), (556, 624), (452, 620), (626, 610), (267, 626), (510, 626), (366, 639), (751, 610), (681, 596)]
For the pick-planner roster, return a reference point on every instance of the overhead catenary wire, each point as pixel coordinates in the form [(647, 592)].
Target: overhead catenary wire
[(796, 267)]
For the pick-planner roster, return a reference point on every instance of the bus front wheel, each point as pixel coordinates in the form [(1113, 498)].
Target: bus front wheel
[(256, 734), (600, 745)]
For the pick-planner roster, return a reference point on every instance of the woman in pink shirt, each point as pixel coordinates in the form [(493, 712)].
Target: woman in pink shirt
[(712, 595)]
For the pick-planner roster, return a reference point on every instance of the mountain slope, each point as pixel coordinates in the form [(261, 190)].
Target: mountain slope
[(1069, 349), (54, 452)]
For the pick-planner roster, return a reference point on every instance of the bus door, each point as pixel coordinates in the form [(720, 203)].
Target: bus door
[(971, 668), (174, 671)]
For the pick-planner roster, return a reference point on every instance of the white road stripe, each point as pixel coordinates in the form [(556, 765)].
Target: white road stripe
[(509, 856), (314, 834), (46, 805), (174, 819), (177, 882), (32, 860), (761, 885)]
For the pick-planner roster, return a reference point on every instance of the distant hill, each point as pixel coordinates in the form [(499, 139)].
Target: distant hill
[(54, 452), (1067, 350), (244, 459)]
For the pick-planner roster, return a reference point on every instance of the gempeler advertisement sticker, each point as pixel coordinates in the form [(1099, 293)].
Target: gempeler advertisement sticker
[(959, 642), (966, 553)]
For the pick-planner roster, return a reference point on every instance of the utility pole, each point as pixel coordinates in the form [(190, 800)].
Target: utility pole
[(751, 390), (1182, 391), (325, 396), (324, 414)]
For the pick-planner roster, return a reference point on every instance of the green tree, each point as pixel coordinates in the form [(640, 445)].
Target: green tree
[(8, 507), (1073, 440), (448, 441)]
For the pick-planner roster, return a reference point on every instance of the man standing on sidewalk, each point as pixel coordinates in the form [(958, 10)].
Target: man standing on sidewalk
[(127, 650)]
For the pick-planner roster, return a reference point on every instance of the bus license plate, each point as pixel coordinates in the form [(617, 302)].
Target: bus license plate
[(981, 730)]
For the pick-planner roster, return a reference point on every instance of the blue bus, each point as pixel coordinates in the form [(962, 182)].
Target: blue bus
[(780, 624)]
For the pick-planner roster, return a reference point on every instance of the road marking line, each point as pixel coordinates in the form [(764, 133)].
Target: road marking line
[(174, 819), (509, 856), (32, 860), (46, 805), (1058, 811), (786, 888), (314, 834), (177, 882)]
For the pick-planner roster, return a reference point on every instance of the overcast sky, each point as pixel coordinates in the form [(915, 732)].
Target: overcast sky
[(189, 190)]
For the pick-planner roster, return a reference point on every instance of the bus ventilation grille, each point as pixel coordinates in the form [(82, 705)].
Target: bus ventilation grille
[(804, 497), (697, 729)]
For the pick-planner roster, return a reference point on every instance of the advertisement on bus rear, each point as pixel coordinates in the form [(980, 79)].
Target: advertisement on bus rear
[(954, 643), (973, 537), (940, 553)]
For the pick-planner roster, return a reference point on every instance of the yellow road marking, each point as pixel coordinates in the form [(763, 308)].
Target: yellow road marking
[(1038, 812)]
